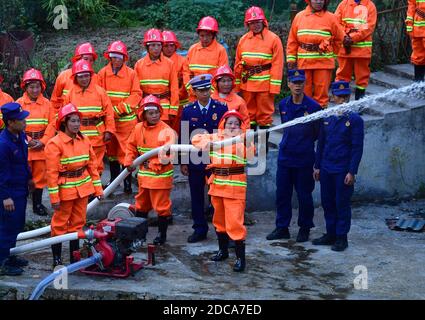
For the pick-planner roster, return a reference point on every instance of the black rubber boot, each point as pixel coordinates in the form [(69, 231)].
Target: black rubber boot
[(162, 231), (325, 240), (127, 184), (114, 169), (267, 137), (239, 265), (57, 254), (341, 243), (223, 247), (279, 233), (37, 206), (141, 214), (74, 245), (419, 72), (303, 235), (359, 93)]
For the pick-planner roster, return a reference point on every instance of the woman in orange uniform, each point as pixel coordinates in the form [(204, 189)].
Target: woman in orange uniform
[(228, 185), (92, 101), (4, 98), (39, 130), (122, 86), (415, 27), (169, 48), (154, 176), (71, 177), (158, 75), (224, 83), (206, 55), (314, 40)]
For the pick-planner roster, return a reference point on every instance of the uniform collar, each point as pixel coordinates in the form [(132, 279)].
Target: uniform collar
[(90, 88), (149, 61), (66, 139), (211, 47), (120, 74), (26, 99), (145, 125), (259, 35), (309, 10), (202, 107)]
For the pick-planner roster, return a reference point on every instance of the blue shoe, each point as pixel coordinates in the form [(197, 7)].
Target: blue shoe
[(15, 261), (196, 237)]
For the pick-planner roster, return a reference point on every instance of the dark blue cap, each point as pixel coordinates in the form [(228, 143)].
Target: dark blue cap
[(340, 88), (203, 81), (296, 75), (13, 111)]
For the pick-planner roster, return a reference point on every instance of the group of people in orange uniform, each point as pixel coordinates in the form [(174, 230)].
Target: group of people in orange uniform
[(122, 112)]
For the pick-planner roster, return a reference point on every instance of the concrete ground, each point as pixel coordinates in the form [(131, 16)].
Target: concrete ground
[(391, 263)]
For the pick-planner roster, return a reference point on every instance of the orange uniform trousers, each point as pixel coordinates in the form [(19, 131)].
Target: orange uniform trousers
[(99, 151), (38, 170), (418, 52), (361, 69), (229, 217), (260, 107), (157, 199), (70, 217), (317, 82)]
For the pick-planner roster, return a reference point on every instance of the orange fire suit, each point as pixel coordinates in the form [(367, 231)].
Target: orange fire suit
[(155, 179), (159, 77), (4, 98), (233, 102), (313, 41), (65, 155), (202, 60), (98, 116), (62, 86), (228, 193), (358, 21), (40, 126), (263, 51), (124, 91), (415, 26), (183, 95)]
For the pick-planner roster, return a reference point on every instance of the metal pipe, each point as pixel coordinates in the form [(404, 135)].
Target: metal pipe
[(38, 291)]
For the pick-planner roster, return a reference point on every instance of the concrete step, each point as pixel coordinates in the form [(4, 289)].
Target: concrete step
[(389, 80), (402, 70)]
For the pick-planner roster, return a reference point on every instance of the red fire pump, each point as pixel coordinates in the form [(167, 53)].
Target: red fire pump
[(116, 239)]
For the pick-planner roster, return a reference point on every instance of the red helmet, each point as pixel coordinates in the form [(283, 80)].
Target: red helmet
[(170, 37), (231, 113), (33, 75), (255, 14), (117, 47), (208, 24), (81, 66), (66, 110), (84, 48), (152, 35), (224, 71), (149, 101)]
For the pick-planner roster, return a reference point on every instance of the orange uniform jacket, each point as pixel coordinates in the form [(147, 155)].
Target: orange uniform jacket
[(179, 63), (62, 86), (319, 28), (124, 91), (260, 49), (4, 98), (233, 102), (41, 118), (231, 186), (158, 77), (202, 60), (66, 154), (143, 139), (358, 21), (414, 22), (93, 102)]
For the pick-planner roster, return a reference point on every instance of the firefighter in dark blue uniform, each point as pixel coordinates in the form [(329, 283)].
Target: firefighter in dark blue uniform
[(201, 116), (15, 179), (339, 151), (295, 161)]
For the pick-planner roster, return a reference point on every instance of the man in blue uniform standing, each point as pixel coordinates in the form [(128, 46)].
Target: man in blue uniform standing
[(339, 151), (295, 161), (201, 116), (15, 180)]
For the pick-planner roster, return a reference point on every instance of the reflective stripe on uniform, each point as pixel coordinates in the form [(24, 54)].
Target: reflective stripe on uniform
[(37, 121), (291, 58), (259, 78), (201, 67), (155, 82), (313, 32), (229, 156), (151, 174), (78, 183), (143, 150), (88, 109), (354, 21), (232, 183), (83, 157), (363, 44), (315, 55), (53, 190), (129, 117), (118, 94), (260, 55)]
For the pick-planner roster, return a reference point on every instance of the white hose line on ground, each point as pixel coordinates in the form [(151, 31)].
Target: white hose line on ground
[(33, 233), (33, 246)]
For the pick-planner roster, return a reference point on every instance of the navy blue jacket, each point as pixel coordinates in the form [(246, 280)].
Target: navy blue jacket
[(340, 145), (297, 146), (192, 117), (14, 170)]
